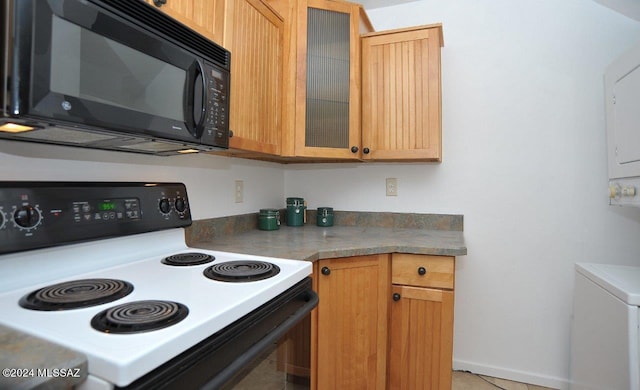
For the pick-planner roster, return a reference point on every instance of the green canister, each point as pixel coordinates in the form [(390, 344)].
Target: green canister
[(269, 219), (325, 216), (295, 211)]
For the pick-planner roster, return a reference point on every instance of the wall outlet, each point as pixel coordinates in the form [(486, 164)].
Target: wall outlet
[(239, 191), (392, 186)]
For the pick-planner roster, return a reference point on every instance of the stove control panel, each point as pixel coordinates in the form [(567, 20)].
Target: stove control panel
[(43, 214), (106, 210)]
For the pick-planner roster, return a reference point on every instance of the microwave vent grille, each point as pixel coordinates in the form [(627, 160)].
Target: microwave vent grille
[(170, 28)]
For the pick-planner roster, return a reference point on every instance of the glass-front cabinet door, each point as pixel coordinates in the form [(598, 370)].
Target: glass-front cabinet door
[(327, 104)]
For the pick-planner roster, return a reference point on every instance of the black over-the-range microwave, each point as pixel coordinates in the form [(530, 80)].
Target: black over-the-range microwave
[(110, 74)]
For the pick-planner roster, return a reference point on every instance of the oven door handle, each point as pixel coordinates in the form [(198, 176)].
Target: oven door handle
[(256, 349)]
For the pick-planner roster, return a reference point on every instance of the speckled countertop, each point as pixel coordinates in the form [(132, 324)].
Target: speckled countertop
[(362, 234), (29, 362), (313, 243)]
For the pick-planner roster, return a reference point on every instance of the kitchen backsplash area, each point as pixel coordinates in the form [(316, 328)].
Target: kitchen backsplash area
[(209, 179)]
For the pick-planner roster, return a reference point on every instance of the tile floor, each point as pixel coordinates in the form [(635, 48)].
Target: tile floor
[(268, 379), (469, 381), (264, 375)]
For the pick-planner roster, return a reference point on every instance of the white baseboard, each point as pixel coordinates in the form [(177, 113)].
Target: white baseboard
[(512, 375)]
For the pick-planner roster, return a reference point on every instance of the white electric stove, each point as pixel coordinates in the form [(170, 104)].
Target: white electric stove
[(145, 309)]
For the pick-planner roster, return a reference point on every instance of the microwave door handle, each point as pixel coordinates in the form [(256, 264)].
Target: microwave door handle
[(195, 86)]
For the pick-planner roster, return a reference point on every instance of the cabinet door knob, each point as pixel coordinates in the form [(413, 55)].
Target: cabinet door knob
[(422, 271), (159, 3), (396, 297), (365, 150), (325, 271), (354, 149)]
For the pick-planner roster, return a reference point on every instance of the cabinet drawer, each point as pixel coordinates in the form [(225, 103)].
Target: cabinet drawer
[(422, 270)]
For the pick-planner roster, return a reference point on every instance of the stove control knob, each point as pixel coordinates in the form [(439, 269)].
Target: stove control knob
[(27, 216), (181, 205), (165, 206)]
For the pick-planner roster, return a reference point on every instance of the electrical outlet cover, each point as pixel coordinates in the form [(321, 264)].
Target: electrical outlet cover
[(392, 186)]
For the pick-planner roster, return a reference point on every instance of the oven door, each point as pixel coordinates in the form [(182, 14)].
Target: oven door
[(232, 357), (76, 63), (285, 364)]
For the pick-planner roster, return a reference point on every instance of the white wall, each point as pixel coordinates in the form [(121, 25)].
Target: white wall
[(209, 179), (523, 160)]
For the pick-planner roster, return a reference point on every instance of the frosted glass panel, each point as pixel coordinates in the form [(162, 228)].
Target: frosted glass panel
[(327, 114)]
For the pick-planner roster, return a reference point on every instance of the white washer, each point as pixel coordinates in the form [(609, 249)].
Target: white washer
[(604, 336)]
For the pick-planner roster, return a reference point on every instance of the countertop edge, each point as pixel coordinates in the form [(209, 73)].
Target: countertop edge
[(31, 362)]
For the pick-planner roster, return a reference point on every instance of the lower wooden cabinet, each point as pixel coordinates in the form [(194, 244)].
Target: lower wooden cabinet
[(383, 322), (352, 322), (421, 338), (421, 322)]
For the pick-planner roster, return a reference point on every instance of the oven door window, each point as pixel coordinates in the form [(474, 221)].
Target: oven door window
[(93, 68), (285, 365)]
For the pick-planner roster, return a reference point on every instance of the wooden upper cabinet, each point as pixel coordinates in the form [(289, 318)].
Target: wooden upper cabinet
[(401, 105), (327, 113), (322, 78), (204, 16), (254, 36)]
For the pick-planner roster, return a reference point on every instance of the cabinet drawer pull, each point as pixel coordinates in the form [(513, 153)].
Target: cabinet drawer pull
[(422, 271), (159, 3), (396, 297), (325, 271)]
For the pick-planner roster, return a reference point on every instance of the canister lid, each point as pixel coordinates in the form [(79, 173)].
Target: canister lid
[(325, 210), (295, 201), (269, 211)]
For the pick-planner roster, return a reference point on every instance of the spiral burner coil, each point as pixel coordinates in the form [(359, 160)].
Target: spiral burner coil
[(186, 259), (241, 271), (76, 294), (139, 316)]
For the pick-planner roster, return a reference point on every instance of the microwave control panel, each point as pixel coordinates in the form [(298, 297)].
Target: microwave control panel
[(216, 125)]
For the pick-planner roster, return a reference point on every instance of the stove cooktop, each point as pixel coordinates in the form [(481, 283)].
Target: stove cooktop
[(120, 358)]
